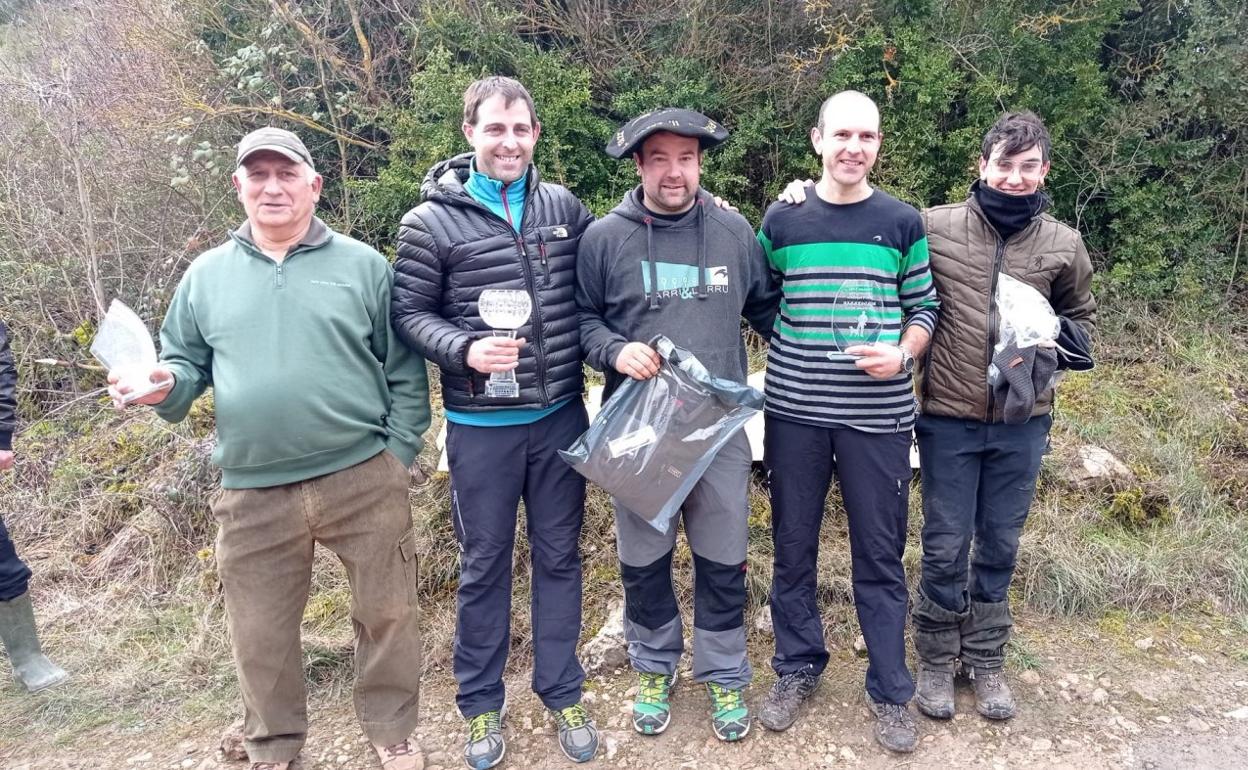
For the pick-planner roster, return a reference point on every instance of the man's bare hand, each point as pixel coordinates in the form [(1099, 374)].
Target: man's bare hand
[(724, 204), (118, 390), (878, 360), (495, 354), (7, 459), (795, 191), (637, 360)]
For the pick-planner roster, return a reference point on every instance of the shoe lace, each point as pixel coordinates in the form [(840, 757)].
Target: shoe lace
[(652, 688), (725, 699), (991, 679), (402, 749), (791, 682), (895, 714), (572, 717), (483, 724)]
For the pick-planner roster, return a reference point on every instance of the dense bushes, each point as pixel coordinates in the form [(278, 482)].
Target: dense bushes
[(1146, 103)]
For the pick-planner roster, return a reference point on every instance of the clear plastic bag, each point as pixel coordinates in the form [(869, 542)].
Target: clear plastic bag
[(1024, 318), (654, 438)]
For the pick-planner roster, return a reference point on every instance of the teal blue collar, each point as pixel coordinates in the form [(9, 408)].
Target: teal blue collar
[(489, 193)]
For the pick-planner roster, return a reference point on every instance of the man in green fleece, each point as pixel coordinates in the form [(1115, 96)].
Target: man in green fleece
[(320, 411)]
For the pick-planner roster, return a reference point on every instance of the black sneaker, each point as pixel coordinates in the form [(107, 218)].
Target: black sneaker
[(784, 700), (894, 725)]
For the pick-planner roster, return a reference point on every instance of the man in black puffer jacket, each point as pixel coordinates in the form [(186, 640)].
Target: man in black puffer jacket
[(487, 222)]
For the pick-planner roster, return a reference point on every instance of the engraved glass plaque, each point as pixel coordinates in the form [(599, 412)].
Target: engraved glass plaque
[(124, 345), (857, 317), (505, 310)]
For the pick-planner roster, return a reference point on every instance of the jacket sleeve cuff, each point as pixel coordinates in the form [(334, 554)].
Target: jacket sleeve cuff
[(6, 440), (183, 393), (611, 352), (459, 358)]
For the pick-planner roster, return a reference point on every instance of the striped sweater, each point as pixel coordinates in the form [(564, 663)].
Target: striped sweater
[(852, 273)]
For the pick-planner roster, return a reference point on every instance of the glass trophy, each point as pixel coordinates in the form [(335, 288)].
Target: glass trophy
[(857, 317), (505, 310), (124, 345)]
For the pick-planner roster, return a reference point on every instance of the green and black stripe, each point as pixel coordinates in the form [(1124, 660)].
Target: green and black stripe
[(828, 255)]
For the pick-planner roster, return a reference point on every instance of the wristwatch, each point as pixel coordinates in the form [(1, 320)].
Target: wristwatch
[(907, 359)]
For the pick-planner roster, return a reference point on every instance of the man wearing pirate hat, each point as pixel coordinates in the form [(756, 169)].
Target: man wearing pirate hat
[(667, 261)]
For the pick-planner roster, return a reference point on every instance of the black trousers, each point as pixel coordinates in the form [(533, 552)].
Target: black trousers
[(978, 482), (873, 470), (14, 574), (492, 469)]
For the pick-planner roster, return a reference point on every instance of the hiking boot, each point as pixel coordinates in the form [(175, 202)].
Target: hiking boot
[(269, 765), (895, 729), (485, 746), (934, 693), (404, 755), (577, 735), (730, 717), (651, 710), (784, 700), (993, 698)]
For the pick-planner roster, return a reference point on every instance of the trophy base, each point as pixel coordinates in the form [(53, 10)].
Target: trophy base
[(495, 389), (838, 356)]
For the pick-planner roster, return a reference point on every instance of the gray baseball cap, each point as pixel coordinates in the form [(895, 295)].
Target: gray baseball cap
[(277, 140)]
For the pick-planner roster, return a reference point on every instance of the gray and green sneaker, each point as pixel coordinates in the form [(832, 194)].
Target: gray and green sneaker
[(577, 735), (651, 710), (730, 717), (485, 747)]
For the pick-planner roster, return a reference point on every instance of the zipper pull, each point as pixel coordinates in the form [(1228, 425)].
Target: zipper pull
[(541, 250)]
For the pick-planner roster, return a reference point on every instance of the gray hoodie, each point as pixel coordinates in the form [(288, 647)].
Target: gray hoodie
[(637, 275)]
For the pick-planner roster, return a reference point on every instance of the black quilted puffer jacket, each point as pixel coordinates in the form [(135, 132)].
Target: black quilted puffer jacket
[(451, 248), (8, 390)]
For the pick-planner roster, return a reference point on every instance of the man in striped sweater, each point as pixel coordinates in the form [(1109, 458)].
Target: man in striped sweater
[(858, 307)]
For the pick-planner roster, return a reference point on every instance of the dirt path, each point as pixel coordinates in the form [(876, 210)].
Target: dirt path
[(1165, 696)]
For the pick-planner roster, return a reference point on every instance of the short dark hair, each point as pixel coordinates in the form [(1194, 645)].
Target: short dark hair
[(1018, 131), (496, 85)]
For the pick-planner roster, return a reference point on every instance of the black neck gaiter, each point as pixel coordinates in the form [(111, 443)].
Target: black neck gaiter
[(1008, 214)]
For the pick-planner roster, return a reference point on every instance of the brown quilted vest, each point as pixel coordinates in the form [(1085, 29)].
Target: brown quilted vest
[(967, 255)]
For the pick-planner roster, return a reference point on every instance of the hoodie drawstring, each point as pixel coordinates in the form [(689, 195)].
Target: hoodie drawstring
[(701, 249), (654, 267)]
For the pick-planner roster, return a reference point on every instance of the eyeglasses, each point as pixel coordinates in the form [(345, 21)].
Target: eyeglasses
[(1028, 168)]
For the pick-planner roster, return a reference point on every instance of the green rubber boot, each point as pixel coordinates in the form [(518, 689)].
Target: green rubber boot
[(17, 630)]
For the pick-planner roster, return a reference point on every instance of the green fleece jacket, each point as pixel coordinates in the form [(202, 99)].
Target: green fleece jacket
[(307, 376)]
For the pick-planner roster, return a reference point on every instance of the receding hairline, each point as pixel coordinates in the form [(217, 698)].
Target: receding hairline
[(856, 98)]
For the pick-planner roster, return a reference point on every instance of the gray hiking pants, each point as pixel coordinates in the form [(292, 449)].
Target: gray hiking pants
[(715, 522)]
